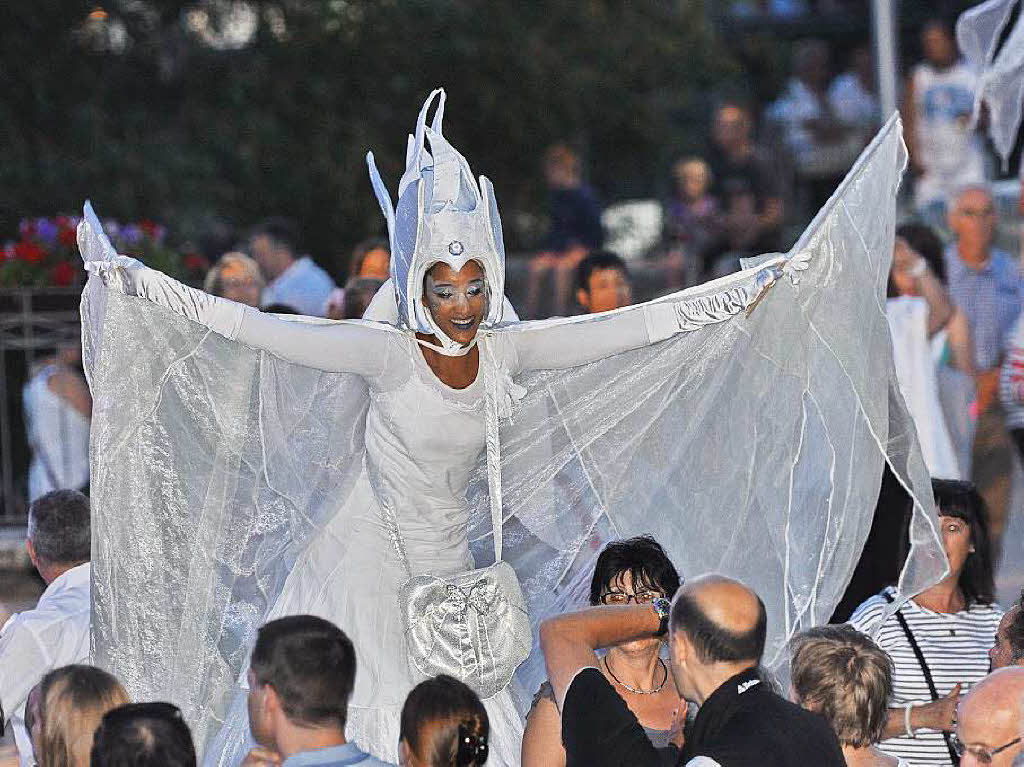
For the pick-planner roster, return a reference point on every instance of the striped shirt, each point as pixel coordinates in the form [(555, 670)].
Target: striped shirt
[(1011, 378), (955, 647)]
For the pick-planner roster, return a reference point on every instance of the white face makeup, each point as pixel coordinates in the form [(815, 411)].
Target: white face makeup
[(457, 300)]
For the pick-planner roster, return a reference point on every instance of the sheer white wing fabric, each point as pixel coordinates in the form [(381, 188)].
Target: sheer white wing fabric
[(213, 466), (752, 446), (1001, 68)]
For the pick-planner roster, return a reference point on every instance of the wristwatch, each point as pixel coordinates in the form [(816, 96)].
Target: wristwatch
[(662, 607)]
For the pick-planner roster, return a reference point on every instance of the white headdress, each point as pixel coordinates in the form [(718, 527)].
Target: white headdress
[(442, 216)]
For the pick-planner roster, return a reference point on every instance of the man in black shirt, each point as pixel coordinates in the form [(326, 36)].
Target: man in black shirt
[(715, 644)]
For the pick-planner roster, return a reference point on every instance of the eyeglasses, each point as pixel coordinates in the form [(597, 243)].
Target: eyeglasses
[(982, 754), (977, 213), (624, 598)]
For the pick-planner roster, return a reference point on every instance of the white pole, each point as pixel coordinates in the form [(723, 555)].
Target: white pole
[(883, 15)]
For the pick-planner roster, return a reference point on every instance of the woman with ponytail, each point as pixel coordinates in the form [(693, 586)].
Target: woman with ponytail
[(444, 724)]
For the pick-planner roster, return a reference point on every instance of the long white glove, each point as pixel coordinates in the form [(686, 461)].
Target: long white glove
[(133, 278)]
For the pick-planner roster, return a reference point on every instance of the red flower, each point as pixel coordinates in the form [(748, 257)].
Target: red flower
[(149, 228), (67, 236), (63, 274), (27, 227), (196, 263), (29, 252), (64, 222)]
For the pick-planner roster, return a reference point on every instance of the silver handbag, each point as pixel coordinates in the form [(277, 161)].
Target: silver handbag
[(472, 625)]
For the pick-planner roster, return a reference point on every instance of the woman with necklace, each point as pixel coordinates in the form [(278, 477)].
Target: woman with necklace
[(636, 570)]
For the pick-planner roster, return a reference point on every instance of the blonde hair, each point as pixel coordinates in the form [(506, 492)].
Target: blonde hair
[(211, 284), (841, 674), (73, 700)]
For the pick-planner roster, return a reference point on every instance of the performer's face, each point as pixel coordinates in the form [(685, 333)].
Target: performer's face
[(456, 300)]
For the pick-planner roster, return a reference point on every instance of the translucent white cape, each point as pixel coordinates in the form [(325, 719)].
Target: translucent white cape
[(1001, 87), (752, 445)]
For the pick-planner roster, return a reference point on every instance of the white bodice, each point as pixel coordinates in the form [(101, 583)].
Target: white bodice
[(423, 440)]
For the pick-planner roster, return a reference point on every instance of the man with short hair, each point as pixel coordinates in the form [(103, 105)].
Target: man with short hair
[(143, 735), (602, 282), (56, 632), (291, 281), (986, 284), (988, 722), (1008, 649), (717, 630), (301, 676)]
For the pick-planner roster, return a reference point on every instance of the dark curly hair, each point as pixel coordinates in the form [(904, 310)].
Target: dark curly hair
[(643, 558)]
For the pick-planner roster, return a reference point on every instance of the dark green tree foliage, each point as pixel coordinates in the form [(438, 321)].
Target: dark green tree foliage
[(134, 107)]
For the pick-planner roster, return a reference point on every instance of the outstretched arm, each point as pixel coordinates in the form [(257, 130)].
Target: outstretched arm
[(566, 343), (344, 347)]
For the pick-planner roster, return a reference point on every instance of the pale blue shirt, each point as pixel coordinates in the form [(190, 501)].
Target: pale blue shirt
[(304, 286), (991, 299), (335, 756)]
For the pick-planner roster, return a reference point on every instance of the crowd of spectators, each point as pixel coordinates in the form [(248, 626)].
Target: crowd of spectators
[(657, 671)]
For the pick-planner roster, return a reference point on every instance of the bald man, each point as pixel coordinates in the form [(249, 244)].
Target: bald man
[(716, 630), (988, 725), (1008, 649), (985, 283)]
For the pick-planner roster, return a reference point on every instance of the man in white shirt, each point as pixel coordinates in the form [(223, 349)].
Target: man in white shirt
[(294, 282), (944, 148), (56, 632)]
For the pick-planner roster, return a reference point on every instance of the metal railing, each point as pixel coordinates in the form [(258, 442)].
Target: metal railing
[(33, 323)]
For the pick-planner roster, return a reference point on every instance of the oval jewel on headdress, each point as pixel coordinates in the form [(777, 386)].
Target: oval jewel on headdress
[(455, 248)]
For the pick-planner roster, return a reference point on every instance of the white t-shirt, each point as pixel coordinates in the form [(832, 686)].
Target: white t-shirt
[(304, 286), (852, 103), (949, 150), (53, 634), (915, 371), (955, 647)]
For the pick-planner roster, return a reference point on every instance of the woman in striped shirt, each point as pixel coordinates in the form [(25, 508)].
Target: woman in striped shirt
[(939, 639)]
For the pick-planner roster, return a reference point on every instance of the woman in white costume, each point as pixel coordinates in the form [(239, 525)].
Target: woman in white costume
[(259, 485)]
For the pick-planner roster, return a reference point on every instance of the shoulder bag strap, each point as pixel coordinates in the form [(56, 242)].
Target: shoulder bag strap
[(925, 670), (490, 370)]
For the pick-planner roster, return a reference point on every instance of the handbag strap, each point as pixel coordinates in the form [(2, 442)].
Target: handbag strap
[(924, 669), (492, 393)]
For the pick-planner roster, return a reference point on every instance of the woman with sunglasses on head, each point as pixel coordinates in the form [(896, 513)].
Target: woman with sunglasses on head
[(629, 571), (939, 639)]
